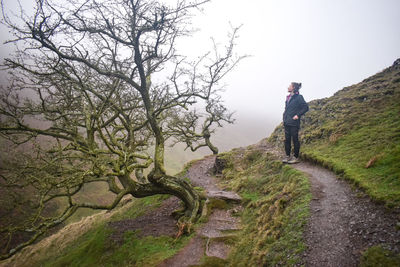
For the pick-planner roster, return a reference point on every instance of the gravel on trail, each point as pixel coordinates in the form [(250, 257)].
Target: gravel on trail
[(344, 222)]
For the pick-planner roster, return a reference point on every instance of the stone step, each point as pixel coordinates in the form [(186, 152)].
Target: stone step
[(224, 195), (217, 247), (216, 233)]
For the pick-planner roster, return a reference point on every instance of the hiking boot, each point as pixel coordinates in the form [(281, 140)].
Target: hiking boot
[(294, 160), (286, 159)]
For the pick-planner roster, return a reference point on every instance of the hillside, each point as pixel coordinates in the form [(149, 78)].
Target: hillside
[(273, 214), (356, 133)]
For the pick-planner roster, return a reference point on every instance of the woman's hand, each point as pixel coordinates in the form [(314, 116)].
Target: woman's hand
[(295, 117)]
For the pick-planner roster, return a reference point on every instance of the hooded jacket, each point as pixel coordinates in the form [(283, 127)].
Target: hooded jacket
[(295, 106)]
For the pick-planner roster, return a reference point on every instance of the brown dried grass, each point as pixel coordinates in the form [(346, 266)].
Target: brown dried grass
[(333, 138)]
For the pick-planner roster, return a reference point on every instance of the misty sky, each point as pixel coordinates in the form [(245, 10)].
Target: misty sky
[(326, 45)]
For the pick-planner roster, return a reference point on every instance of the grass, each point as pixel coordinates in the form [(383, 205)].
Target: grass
[(356, 134), (377, 139), (140, 207), (95, 248), (358, 127), (378, 256), (275, 212), (276, 209)]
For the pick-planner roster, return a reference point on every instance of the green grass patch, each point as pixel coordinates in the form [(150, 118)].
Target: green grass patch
[(140, 207), (377, 141), (378, 256), (250, 196), (147, 251), (95, 248), (86, 250), (276, 210)]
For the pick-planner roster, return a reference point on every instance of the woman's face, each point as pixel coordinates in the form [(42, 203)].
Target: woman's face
[(290, 88)]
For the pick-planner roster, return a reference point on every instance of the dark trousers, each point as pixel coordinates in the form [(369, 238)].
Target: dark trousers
[(292, 133)]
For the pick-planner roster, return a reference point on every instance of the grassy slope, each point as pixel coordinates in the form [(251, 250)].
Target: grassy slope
[(95, 248), (276, 199), (276, 209), (342, 132), (360, 123)]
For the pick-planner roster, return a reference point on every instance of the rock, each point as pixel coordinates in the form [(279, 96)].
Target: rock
[(216, 248), (224, 195)]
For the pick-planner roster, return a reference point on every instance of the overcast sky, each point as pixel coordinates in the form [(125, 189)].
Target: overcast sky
[(325, 45)]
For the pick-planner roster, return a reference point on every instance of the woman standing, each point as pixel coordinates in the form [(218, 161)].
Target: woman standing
[(295, 107)]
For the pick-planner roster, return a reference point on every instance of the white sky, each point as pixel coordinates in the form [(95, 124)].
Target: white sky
[(326, 45)]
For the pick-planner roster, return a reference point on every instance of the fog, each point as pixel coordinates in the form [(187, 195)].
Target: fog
[(325, 45)]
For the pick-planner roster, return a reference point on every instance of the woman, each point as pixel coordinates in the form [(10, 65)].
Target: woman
[(295, 107)]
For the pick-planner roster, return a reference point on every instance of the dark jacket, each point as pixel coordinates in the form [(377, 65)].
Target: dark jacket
[(296, 106)]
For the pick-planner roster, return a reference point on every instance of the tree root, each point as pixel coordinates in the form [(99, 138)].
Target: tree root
[(188, 219), (183, 228)]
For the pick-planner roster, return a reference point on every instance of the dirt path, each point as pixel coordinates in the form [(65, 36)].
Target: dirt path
[(344, 221), (207, 239), (342, 224)]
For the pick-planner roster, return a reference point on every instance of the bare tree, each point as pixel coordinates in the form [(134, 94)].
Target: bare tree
[(195, 130), (107, 85)]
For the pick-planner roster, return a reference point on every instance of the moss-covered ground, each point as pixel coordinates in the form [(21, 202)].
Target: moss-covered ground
[(276, 208)]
